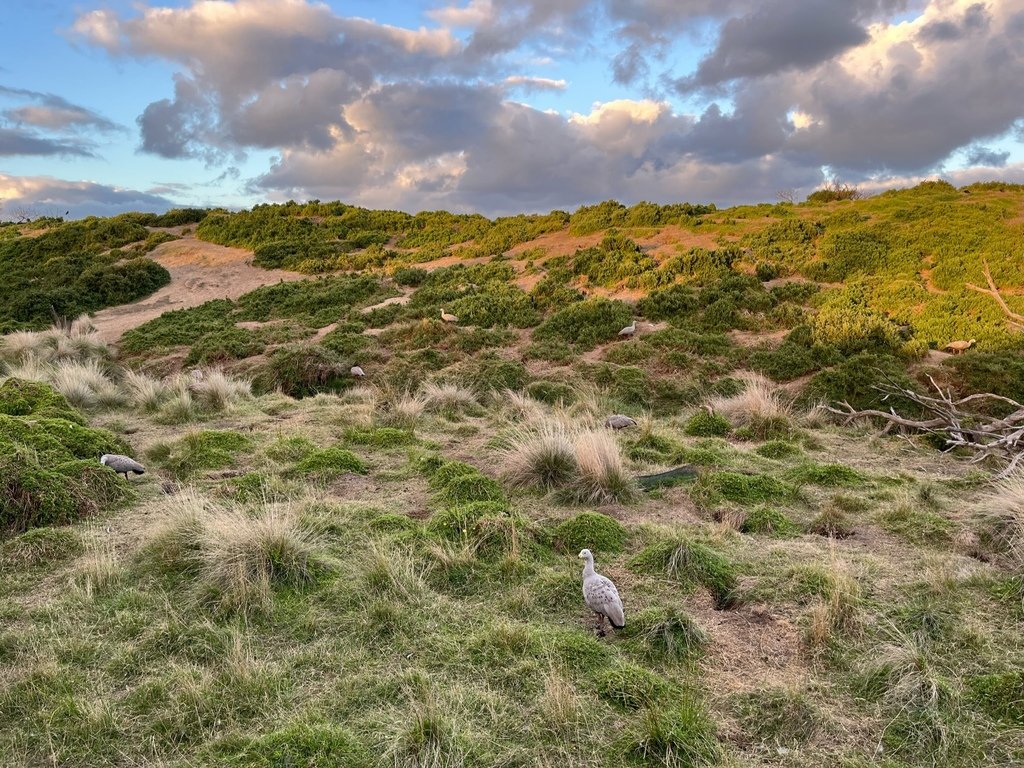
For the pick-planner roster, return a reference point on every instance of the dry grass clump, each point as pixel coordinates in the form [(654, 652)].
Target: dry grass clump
[(1002, 520), (180, 406), (85, 385), (544, 457), (586, 464), (520, 407), (31, 368), (236, 556), (449, 400), (760, 401), (144, 392), (18, 346), (838, 611), (216, 391), (398, 409), (97, 570), (602, 476)]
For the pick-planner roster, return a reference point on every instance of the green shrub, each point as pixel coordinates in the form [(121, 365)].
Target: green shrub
[(713, 487), (459, 521), (492, 372), (379, 437), (692, 563), (227, 344), (768, 520), (855, 380), (19, 397), (289, 449), (590, 530), (778, 449), (667, 633), (824, 474), (301, 370), (470, 487), (707, 424), (199, 451), (586, 323), (411, 276), (632, 687), (326, 464), (1001, 373), (551, 392)]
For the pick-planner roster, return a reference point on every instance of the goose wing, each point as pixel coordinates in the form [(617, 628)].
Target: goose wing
[(602, 597), (122, 464)]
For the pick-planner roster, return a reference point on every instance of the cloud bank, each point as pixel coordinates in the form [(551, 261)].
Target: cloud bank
[(427, 117)]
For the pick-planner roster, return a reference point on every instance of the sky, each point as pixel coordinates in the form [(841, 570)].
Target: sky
[(499, 106)]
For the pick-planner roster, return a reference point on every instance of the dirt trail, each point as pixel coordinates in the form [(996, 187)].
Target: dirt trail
[(200, 271)]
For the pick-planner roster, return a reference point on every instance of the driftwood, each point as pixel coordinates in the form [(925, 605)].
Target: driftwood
[(958, 422), (1015, 319)]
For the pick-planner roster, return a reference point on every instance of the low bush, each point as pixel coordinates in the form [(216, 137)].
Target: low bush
[(707, 424), (590, 530), (585, 324), (326, 464)]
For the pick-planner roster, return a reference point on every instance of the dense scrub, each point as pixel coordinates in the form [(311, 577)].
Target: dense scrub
[(73, 268), (49, 461)]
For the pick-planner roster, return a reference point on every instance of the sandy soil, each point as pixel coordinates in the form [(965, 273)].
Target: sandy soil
[(200, 271)]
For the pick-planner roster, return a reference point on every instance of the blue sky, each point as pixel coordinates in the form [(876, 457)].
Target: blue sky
[(499, 106)]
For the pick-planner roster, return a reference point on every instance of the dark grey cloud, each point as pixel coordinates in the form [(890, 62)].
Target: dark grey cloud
[(975, 19), (82, 198), (16, 142), (778, 35), (978, 155)]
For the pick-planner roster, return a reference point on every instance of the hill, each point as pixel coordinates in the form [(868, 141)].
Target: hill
[(320, 570)]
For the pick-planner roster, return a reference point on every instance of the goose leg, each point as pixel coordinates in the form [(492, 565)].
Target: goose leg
[(600, 625)]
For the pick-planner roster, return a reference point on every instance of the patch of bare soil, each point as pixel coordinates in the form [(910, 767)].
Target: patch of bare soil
[(669, 240), (447, 261), (403, 299), (200, 272), (559, 243), (754, 339)]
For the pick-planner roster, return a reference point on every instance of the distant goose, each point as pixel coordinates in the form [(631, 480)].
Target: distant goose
[(629, 330), (122, 464), (448, 318), (600, 595), (357, 372), (959, 347), (618, 421)]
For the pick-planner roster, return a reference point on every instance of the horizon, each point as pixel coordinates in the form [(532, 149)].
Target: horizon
[(501, 107)]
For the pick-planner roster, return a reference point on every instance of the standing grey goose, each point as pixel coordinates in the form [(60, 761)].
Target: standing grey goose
[(122, 464), (600, 595), (618, 421), (629, 330)]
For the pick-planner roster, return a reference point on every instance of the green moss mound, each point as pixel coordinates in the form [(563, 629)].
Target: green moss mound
[(705, 424), (768, 521), (631, 687), (19, 397), (200, 451), (49, 462), (330, 463), (778, 449), (693, 564), (294, 745), (590, 530), (458, 522), (714, 487)]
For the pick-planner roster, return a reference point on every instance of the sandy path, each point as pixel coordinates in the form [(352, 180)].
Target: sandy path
[(200, 271)]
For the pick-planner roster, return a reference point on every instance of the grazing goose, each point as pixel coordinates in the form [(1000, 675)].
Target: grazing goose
[(618, 421), (601, 595), (629, 330), (447, 317), (357, 372), (959, 347), (122, 464)]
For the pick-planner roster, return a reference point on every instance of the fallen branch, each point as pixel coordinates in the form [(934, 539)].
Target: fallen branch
[(993, 291), (956, 421)]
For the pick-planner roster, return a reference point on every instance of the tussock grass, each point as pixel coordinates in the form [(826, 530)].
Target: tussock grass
[(602, 475), (236, 557), (544, 457), (85, 385), (838, 611), (520, 407), (216, 391), (760, 406), (1001, 526), (400, 409), (448, 399), (144, 392), (97, 571)]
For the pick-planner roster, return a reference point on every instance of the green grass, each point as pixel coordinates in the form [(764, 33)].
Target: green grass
[(590, 530)]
